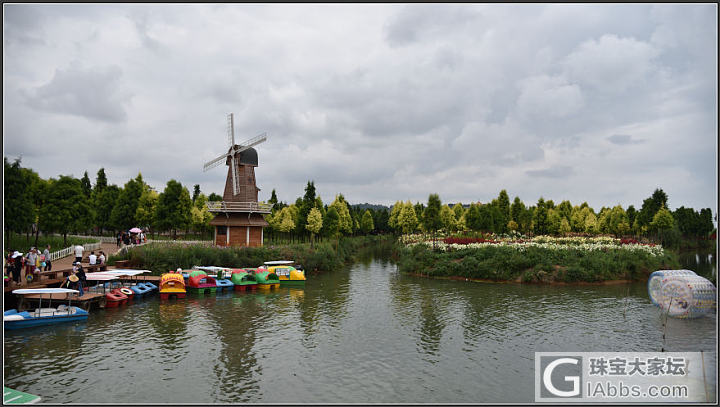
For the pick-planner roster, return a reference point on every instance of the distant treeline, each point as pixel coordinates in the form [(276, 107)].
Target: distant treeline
[(70, 205)]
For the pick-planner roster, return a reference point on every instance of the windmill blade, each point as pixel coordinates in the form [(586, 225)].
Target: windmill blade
[(231, 130), (252, 142), (215, 162), (234, 176)]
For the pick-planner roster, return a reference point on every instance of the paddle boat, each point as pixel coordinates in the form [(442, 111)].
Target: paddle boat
[(244, 279), (114, 297), (266, 279), (12, 319), (223, 283), (287, 274), (172, 284), (200, 282)]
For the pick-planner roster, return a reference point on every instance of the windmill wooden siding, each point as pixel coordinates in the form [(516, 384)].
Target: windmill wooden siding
[(240, 228)]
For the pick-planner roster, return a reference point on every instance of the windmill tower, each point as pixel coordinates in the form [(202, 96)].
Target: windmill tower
[(238, 220)]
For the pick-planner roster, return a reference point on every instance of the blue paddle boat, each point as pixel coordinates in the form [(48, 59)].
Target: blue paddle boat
[(224, 283), (12, 319)]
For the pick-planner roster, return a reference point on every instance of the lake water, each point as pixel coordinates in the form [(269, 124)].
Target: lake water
[(364, 334)]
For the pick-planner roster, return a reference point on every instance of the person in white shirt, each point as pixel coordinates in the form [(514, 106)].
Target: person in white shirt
[(101, 258), (93, 258), (78, 253)]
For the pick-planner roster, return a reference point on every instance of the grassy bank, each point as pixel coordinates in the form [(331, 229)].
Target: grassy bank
[(534, 264), (326, 256)]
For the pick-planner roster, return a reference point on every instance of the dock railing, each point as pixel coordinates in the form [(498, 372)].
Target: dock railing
[(71, 249)]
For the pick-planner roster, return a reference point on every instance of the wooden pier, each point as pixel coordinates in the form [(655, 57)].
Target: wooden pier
[(86, 301)]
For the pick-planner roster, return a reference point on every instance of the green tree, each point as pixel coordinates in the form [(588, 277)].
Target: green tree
[(196, 192), (516, 209), (591, 224), (213, 197), (472, 217), (346, 224), (366, 223), (122, 216), (201, 215), (394, 213), (331, 223), (487, 218), (307, 203), (459, 211), (649, 208), (314, 224), (564, 226), (66, 209), (502, 217), (19, 211), (86, 186), (431, 215), (407, 219), (147, 209), (662, 220), (100, 181), (540, 218), (565, 210), (174, 208), (104, 203), (447, 218), (286, 221), (554, 221)]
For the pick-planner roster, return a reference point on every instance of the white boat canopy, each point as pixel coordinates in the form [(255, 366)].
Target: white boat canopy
[(44, 291), (277, 262), (126, 272), (210, 268), (101, 277)]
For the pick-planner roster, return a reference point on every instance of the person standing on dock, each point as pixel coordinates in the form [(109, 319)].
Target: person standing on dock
[(16, 266), (119, 239), (31, 262), (46, 252), (78, 253)]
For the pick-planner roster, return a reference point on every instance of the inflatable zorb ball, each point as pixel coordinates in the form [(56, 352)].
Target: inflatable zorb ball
[(682, 293)]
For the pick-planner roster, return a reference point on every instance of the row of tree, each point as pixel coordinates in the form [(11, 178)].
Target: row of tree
[(70, 205), (308, 217), (546, 218)]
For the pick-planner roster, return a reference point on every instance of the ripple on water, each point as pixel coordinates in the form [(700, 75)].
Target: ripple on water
[(366, 335)]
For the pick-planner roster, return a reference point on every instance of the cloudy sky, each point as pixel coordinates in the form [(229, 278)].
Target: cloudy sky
[(600, 103)]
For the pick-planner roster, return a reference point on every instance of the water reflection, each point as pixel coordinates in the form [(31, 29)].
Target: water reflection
[(364, 334)]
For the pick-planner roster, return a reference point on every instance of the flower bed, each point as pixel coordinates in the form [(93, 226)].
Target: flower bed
[(521, 243)]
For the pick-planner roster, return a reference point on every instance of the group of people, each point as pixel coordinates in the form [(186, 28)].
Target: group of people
[(127, 238), (32, 263)]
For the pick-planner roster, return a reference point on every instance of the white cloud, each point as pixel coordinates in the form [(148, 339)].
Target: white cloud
[(378, 102)]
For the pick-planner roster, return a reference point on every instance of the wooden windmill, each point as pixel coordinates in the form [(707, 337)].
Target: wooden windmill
[(238, 220)]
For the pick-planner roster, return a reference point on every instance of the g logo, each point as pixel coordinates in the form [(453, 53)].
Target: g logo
[(575, 380), (558, 376)]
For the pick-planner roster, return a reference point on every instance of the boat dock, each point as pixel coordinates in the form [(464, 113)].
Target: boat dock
[(86, 301)]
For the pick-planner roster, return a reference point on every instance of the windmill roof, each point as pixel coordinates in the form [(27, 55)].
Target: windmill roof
[(247, 157)]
